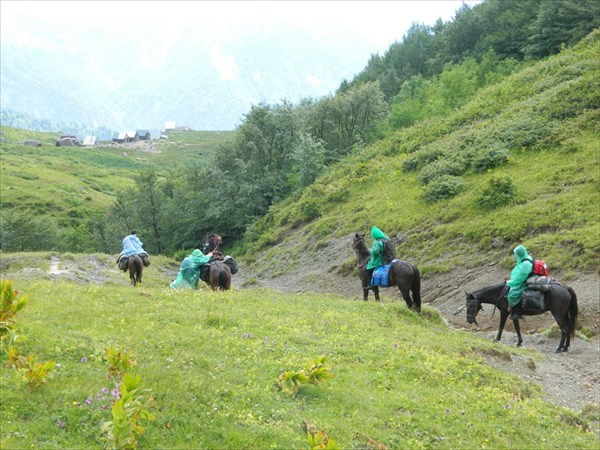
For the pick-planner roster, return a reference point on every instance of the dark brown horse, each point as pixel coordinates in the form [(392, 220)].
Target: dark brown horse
[(136, 268), (212, 243), (560, 300), (402, 274), (219, 273)]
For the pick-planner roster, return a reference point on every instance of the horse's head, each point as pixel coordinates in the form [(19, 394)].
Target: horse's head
[(473, 307), (358, 242)]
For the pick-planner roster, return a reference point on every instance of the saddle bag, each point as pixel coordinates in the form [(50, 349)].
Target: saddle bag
[(122, 262), (231, 263), (533, 300), (537, 283), (146, 259)]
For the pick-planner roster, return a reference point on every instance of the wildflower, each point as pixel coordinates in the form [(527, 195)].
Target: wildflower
[(116, 393), (104, 390), (83, 360), (60, 423), (89, 400)]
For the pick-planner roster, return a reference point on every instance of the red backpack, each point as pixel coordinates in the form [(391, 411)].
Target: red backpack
[(540, 268)]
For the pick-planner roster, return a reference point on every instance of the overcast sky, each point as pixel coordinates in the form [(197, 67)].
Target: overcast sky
[(379, 22)]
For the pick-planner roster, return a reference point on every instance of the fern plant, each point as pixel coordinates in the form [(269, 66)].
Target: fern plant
[(315, 373)]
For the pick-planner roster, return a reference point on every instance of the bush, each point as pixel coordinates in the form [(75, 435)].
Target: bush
[(442, 167), (500, 191), (490, 158), (443, 187)]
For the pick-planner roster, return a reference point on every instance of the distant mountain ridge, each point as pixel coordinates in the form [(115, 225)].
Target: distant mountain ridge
[(185, 79)]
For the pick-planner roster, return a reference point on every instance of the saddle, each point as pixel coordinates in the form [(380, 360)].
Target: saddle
[(533, 297), (381, 274)]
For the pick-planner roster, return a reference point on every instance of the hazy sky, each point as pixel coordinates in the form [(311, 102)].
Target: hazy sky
[(379, 22)]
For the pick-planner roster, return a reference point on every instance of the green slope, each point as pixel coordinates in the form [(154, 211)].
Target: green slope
[(211, 361), (534, 134), (73, 183)]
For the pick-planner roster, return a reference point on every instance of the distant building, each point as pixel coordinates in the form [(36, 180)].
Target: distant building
[(183, 129), (68, 140), (171, 125), (155, 134), (125, 136), (32, 143), (90, 141), (119, 138), (143, 135), (131, 136)]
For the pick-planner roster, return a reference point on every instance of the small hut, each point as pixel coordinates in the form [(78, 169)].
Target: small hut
[(90, 141), (143, 135)]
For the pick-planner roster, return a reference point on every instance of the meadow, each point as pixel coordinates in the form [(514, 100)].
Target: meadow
[(210, 364)]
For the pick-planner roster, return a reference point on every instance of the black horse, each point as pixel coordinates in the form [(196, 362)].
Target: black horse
[(136, 268), (560, 300), (402, 274)]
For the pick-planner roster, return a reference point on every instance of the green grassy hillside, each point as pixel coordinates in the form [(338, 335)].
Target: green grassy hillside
[(517, 164), (211, 361), (73, 183)]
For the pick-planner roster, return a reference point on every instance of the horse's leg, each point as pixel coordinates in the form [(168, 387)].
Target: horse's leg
[(376, 292), (518, 331), (406, 296), (563, 324), (503, 317), (365, 293)]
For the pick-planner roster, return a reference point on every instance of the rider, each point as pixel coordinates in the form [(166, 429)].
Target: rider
[(133, 246), (376, 251), (516, 283), (189, 272)]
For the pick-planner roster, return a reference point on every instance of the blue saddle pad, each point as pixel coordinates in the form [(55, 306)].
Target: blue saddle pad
[(381, 274)]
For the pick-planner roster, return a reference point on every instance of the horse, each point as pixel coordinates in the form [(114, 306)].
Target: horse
[(219, 276), (560, 300), (402, 274), (136, 268), (212, 243)]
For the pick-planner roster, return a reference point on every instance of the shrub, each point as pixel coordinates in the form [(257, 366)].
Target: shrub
[(440, 168), (443, 187), (500, 191), (490, 158)]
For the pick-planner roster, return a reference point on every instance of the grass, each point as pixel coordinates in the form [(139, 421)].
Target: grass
[(544, 119), (212, 361)]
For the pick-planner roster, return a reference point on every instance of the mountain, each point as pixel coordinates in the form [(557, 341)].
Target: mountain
[(69, 77)]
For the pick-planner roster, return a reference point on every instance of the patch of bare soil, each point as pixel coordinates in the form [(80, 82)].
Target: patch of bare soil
[(568, 379)]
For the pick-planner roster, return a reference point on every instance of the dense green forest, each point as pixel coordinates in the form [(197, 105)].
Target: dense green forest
[(448, 101)]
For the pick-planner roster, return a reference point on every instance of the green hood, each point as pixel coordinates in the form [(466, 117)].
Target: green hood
[(520, 253), (376, 233)]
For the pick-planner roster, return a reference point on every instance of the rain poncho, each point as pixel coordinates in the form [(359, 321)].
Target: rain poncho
[(519, 275), (132, 246), (377, 248), (189, 272)]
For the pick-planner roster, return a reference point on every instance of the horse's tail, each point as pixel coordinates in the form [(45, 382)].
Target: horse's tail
[(416, 287), (573, 311)]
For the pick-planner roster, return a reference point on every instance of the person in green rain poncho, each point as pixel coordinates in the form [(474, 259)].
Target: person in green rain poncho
[(376, 251), (189, 272), (516, 283)]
